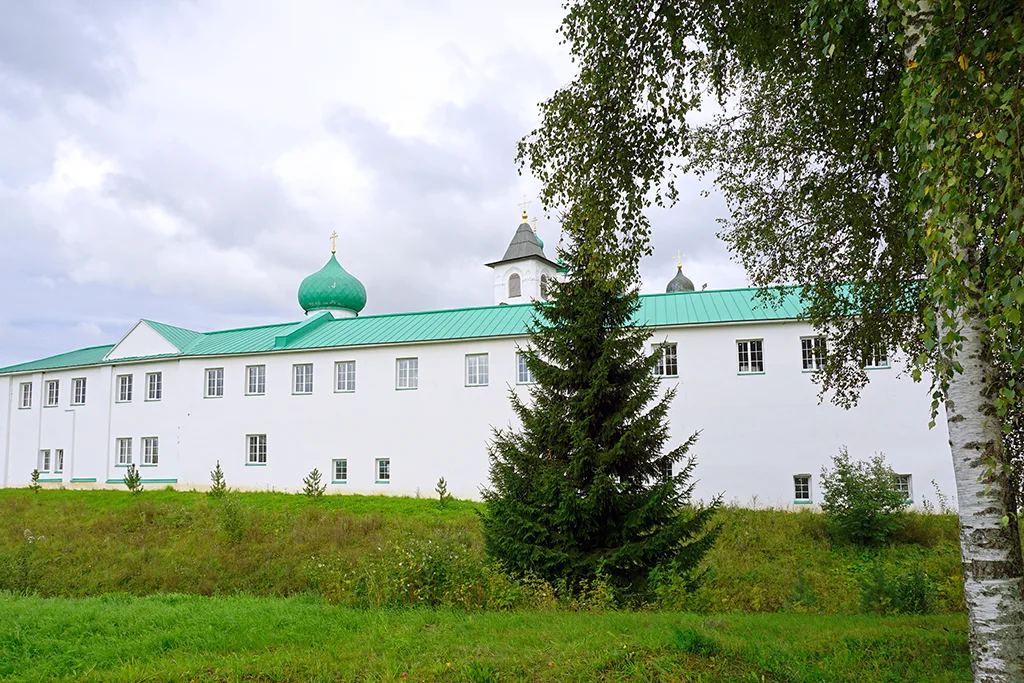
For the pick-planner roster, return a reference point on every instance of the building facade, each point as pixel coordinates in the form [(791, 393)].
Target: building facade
[(390, 403)]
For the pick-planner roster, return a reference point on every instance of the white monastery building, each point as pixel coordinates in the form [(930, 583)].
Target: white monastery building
[(390, 403)]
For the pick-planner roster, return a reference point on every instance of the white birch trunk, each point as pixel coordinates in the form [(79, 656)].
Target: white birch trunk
[(991, 551)]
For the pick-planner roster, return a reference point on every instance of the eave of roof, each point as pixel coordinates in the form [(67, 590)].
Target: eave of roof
[(656, 310)]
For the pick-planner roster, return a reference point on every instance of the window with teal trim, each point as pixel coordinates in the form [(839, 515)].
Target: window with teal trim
[(78, 391), (903, 485), (214, 383), (477, 374), (44, 460), (58, 460), (150, 450), (383, 470), (812, 352), (124, 451), (877, 357), (408, 373), (26, 395), (303, 376), (340, 471), (524, 375), (751, 356), (256, 380), (52, 392), (257, 453), (345, 376), (124, 388), (802, 488), (154, 386), (668, 360)]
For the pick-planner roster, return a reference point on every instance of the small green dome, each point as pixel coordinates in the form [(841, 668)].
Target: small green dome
[(332, 287)]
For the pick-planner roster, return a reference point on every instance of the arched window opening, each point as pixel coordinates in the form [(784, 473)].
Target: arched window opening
[(515, 286), (545, 284)]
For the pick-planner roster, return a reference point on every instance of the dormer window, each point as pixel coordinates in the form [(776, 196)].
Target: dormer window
[(515, 286)]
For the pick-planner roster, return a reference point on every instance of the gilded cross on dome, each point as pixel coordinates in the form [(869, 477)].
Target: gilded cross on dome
[(525, 203), (334, 242)]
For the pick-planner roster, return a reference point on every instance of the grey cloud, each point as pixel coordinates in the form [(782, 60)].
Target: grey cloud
[(57, 47)]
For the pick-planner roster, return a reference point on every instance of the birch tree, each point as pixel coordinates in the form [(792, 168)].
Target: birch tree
[(869, 151)]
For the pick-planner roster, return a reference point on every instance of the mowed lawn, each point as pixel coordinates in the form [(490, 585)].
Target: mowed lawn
[(239, 638)]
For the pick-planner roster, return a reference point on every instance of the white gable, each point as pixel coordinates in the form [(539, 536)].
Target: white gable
[(141, 340)]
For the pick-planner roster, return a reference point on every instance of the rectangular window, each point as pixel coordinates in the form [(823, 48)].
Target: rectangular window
[(154, 386), (303, 374), (751, 356), (665, 471), (58, 460), (802, 488), (78, 391), (124, 451), (812, 351), (150, 450), (214, 382), (345, 376), (256, 380), (523, 373), (476, 370), (903, 485), (44, 460), (383, 470), (668, 360), (124, 388), (52, 392), (257, 453), (26, 395), (876, 357), (340, 471), (408, 373)]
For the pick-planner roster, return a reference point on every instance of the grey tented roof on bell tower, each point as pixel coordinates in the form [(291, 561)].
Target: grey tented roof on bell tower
[(523, 245)]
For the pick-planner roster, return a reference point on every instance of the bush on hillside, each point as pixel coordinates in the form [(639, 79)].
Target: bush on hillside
[(861, 501), (313, 486), (907, 590)]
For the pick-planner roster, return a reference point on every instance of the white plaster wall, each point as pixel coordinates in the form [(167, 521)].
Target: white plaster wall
[(7, 389), (530, 271), (757, 431), (142, 340)]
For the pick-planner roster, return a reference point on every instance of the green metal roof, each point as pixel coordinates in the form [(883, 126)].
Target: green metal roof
[(324, 331), (178, 336)]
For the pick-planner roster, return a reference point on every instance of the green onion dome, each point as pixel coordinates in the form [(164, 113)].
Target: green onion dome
[(332, 288)]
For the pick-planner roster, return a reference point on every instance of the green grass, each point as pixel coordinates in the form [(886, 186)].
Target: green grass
[(58, 543), (176, 637)]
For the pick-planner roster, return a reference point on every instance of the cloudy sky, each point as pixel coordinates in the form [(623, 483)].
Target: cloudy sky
[(186, 160)]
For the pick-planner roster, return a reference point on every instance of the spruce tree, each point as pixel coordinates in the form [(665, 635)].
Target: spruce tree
[(578, 491)]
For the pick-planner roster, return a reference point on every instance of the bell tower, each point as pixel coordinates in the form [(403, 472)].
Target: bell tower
[(522, 274)]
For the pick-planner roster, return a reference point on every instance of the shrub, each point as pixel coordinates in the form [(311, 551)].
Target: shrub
[(312, 486), (35, 481), (133, 479), (219, 486), (437, 572), (861, 501), (694, 642), (442, 493), (908, 591), (234, 519)]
